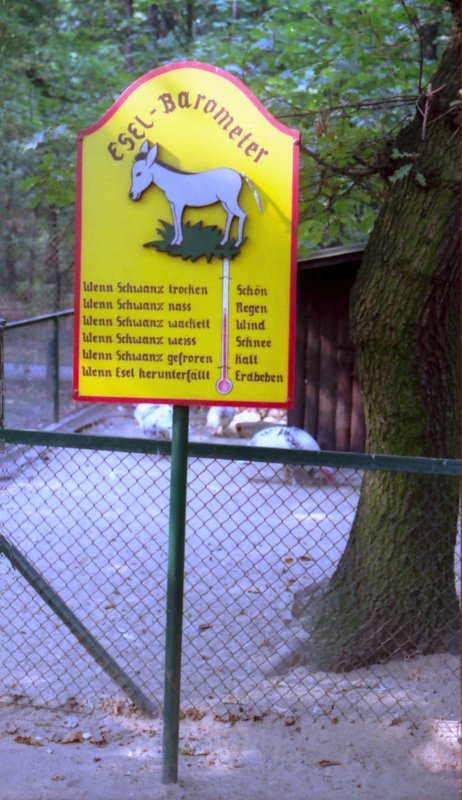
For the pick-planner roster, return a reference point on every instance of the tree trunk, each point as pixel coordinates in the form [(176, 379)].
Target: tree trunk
[(53, 256), (393, 592), (10, 261)]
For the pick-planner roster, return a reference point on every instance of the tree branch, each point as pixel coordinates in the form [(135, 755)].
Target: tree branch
[(413, 21), (383, 102)]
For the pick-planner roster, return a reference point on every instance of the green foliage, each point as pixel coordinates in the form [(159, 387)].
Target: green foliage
[(400, 173), (199, 241), (346, 74)]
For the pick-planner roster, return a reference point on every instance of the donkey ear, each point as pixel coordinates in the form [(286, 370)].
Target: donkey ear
[(144, 147), (152, 155)]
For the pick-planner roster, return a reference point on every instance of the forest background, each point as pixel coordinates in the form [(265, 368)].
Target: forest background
[(348, 75)]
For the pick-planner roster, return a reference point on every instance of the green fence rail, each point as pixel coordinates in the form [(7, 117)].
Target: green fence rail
[(361, 461)]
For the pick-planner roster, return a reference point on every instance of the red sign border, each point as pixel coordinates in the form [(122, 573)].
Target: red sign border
[(293, 258)]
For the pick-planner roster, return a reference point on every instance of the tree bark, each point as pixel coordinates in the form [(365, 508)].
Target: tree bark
[(393, 592), (53, 256)]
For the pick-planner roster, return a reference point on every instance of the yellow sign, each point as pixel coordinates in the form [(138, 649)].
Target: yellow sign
[(186, 246)]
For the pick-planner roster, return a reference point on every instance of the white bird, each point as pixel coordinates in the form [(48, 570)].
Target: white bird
[(290, 438), (155, 420), (218, 420)]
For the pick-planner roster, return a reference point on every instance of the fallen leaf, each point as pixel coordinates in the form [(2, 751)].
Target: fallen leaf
[(192, 713), (118, 708), (13, 698), (227, 716), (97, 738), (242, 715), (305, 558), (188, 750), (205, 626), (70, 738), (28, 740), (289, 560), (327, 762)]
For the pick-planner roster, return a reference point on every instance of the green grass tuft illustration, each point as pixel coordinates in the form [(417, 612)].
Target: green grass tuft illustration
[(198, 242)]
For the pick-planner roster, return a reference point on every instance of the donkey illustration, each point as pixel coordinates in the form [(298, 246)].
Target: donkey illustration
[(194, 189)]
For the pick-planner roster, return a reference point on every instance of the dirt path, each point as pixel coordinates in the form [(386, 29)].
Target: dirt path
[(49, 755)]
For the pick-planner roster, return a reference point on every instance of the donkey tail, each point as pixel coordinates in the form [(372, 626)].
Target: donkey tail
[(254, 191)]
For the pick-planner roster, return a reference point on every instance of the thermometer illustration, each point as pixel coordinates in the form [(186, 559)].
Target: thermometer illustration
[(224, 384)]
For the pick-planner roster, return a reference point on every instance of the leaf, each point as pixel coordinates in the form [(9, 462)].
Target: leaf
[(400, 173), (69, 738), (421, 179), (28, 740), (192, 713), (327, 762), (399, 154), (199, 241), (189, 750), (96, 738)]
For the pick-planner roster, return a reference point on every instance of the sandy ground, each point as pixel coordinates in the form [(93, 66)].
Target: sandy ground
[(256, 722), (48, 755)]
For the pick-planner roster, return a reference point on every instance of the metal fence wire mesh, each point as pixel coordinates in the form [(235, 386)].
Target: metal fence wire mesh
[(37, 365), (94, 524)]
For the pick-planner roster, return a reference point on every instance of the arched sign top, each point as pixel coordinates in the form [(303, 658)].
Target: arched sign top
[(191, 65), (186, 245)]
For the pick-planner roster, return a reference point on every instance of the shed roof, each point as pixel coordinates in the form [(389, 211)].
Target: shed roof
[(332, 256)]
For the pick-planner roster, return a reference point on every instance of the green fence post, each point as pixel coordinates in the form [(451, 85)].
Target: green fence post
[(72, 622), (55, 368), (175, 581), (2, 372)]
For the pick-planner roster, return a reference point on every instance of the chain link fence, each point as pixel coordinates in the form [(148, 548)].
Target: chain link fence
[(37, 365), (90, 515)]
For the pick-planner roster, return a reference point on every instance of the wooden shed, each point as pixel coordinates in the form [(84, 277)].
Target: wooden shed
[(328, 400)]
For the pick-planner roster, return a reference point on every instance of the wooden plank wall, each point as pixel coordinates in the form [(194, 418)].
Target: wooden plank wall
[(328, 400)]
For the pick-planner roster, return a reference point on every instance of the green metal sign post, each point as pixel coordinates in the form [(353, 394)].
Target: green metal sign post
[(175, 586)]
